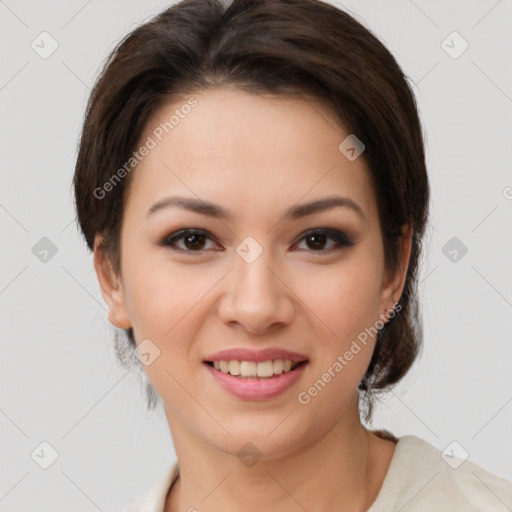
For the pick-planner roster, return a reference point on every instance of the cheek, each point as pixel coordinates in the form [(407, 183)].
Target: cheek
[(157, 293), (346, 298), (167, 303), (160, 301), (347, 310)]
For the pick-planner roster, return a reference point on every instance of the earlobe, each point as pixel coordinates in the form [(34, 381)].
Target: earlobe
[(395, 285), (111, 288)]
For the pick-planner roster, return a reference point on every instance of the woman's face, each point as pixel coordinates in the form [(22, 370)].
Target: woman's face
[(254, 278)]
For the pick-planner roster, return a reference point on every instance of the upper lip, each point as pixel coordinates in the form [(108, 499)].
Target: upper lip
[(258, 356)]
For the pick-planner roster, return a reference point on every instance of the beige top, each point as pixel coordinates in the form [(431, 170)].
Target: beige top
[(419, 479)]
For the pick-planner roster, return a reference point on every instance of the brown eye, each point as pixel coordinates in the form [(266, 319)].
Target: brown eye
[(193, 240), (317, 239)]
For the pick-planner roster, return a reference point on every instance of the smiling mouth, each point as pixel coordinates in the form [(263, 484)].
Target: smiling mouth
[(256, 370)]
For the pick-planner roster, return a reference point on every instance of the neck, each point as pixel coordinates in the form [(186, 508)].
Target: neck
[(340, 470)]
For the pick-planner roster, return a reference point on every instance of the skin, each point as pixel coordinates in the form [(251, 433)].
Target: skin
[(256, 155)]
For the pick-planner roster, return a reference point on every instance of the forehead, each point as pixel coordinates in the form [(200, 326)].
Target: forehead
[(235, 147)]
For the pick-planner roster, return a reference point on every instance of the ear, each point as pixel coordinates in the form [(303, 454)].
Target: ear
[(394, 282), (111, 286)]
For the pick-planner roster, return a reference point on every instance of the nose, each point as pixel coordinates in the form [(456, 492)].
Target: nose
[(257, 296)]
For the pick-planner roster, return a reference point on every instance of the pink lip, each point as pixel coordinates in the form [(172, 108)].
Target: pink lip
[(257, 389), (245, 354)]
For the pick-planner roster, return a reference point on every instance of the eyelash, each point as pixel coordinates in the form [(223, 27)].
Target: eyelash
[(341, 239)]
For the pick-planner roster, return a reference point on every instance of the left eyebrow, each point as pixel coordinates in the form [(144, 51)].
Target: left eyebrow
[(295, 212)]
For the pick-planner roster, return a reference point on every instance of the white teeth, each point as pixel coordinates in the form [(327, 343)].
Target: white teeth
[(252, 369), (265, 369), (248, 368), (234, 367), (278, 366)]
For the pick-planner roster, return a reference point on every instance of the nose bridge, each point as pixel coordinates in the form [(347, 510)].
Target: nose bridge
[(254, 274), (256, 297)]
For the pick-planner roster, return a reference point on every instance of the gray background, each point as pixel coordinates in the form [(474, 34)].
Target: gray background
[(60, 382)]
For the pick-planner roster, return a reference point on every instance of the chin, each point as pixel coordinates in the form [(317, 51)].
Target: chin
[(267, 437)]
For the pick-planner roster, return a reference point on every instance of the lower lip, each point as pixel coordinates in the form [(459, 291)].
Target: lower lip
[(257, 389)]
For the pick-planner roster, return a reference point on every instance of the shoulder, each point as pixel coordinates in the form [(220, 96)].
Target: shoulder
[(421, 477), (153, 499)]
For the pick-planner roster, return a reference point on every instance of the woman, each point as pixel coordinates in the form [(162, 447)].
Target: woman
[(251, 178)]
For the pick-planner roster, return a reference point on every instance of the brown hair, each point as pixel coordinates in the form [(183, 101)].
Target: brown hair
[(285, 47)]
